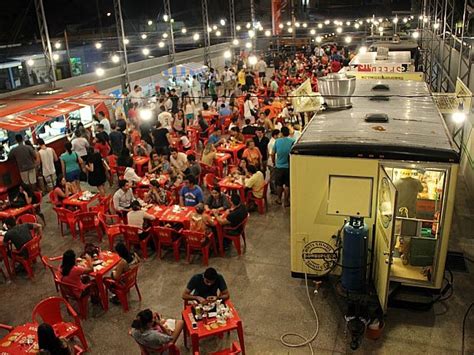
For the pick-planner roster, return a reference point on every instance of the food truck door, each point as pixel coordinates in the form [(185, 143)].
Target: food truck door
[(384, 235)]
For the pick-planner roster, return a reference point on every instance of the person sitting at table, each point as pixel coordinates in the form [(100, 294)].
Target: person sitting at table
[(194, 168), (23, 197), (235, 136), (62, 190), (123, 197), (216, 138), (73, 273), (153, 331), (19, 234), (178, 160), (185, 142), (154, 164), (241, 169), (206, 287), (142, 149), (127, 259), (255, 182), (125, 159), (175, 178), (202, 123), (131, 176), (139, 218), (178, 121), (248, 128), (237, 214), (209, 153), (252, 154), (217, 200), (50, 344), (156, 195), (191, 194), (200, 222)]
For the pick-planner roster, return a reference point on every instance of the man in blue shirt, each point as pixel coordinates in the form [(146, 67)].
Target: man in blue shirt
[(282, 150), (215, 138), (191, 194)]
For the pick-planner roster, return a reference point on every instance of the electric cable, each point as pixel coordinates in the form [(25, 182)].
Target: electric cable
[(306, 341), (464, 326)]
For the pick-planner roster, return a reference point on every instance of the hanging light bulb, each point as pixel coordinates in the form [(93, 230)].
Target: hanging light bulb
[(320, 25), (248, 45), (227, 54), (290, 29), (319, 39), (380, 29), (209, 29), (348, 23), (415, 34), (143, 36), (436, 25), (57, 45), (312, 32), (251, 33), (305, 25), (222, 22), (196, 36), (98, 45), (161, 44), (297, 24), (100, 72), (115, 58), (126, 41), (327, 22), (235, 42), (253, 60), (339, 30), (218, 33), (405, 20), (348, 39), (238, 28), (395, 20), (214, 27), (288, 23), (165, 35), (357, 25), (248, 25), (165, 18), (30, 62), (145, 51), (150, 22), (281, 25), (184, 30), (268, 33)]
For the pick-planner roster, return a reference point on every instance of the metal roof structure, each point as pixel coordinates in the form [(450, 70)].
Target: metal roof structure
[(415, 130)]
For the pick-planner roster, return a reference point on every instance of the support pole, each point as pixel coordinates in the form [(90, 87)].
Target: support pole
[(47, 50), (122, 46), (207, 38), (253, 21), (66, 43), (233, 32), (171, 47)]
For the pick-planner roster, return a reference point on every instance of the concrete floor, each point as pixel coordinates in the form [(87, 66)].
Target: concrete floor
[(268, 300)]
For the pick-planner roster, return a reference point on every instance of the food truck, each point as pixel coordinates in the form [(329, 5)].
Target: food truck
[(386, 62), (387, 159), (51, 115)]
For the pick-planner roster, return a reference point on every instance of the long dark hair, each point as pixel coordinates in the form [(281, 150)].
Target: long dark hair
[(123, 252), (68, 147), (47, 340), (69, 260), (143, 319)]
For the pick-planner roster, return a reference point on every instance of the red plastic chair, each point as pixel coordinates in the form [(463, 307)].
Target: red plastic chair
[(88, 221), (233, 350), (120, 171), (165, 236), (48, 263), (34, 251), (78, 350), (27, 218), (80, 295), (235, 238), (49, 310), (131, 236), (110, 224), (54, 199), (68, 218), (199, 241), (112, 164), (262, 203), (122, 287), (8, 328), (210, 180), (140, 192), (103, 206)]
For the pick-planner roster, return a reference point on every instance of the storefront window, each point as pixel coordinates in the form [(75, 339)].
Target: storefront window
[(52, 130), (417, 227), (84, 115)]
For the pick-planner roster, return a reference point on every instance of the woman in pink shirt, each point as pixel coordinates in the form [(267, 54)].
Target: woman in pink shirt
[(72, 273)]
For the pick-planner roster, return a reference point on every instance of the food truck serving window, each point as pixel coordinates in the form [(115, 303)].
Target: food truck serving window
[(52, 130), (83, 115)]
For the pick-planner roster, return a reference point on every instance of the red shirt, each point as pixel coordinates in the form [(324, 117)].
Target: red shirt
[(74, 278), (103, 149), (335, 66)]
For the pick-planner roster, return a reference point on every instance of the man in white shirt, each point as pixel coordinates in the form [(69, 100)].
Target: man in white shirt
[(48, 157), (123, 197), (178, 160), (136, 95), (105, 122), (79, 144), (165, 118), (261, 67), (136, 217), (131, 176)]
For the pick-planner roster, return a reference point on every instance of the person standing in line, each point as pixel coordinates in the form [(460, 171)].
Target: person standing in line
[(261, 67), (79, 144), (71, 164), (105, 122), (117, 139), (25, 157), (281, 157), (48, 157)]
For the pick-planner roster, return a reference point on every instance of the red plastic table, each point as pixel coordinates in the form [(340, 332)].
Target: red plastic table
[(75, 201), (109, 261), (232, 149), (21, 340), (162, 180), (182, 216), (156, 211), (221, 160), (228, 183), (15, 212), (209, 115), (139, 162), (234, 323), (4, 254)]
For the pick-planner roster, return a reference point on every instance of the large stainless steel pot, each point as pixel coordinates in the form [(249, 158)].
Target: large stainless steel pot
[(337, 89)]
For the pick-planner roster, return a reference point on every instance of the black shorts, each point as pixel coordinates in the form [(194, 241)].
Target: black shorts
[(282, 177), (261, 74)]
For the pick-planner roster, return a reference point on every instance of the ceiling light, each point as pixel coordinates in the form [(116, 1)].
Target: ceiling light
[(196, 36), (214, 27), (248, 45), (436, 26), (222, 22), (218, 33), (312, 32), (57, 45), (339, 30), (161, 44), (126, 41), (98, 45), (253, 60), (348, 23), (305, 25), (145, 51), (268, 33), (115, 58), (150, 22), (356, 25), (348, 39), (108, 14), (405, 20), (227, 54), (415, 34), (165, 35), (143, 36), (56, 57), (100, 72), (288, 23), (248, 25), (327, 22), (297, 24), (320, 25), (280, 25), (235, 42), (319, 39), (165, 18), (184, 30), (30, 62), (290, 29), (145, 114), (238, 28), (458, 117), (380, 29), (251, 33)]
